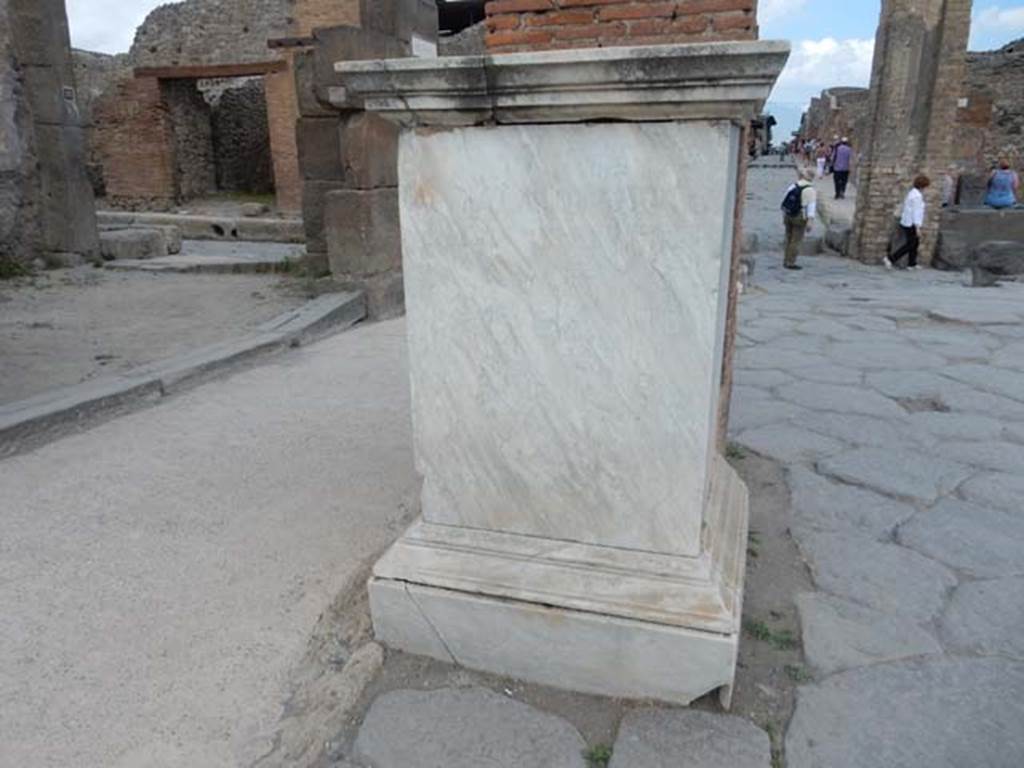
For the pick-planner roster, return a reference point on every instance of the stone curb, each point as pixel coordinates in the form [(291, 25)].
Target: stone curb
[(228, 228), (27, 424)]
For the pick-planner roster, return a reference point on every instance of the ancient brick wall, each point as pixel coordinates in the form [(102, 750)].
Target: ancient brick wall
[(47, 209), (515, 25), (916, 82), (96, 74), (241, 138), (135, 139), (990, 120)]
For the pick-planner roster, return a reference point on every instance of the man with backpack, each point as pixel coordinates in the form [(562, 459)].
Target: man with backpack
[(799, 208)]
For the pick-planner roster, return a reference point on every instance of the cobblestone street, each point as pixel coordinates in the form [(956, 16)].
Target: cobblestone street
[(896, 403)]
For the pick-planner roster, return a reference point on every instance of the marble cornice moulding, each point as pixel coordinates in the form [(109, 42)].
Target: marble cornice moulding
[(706, 81)]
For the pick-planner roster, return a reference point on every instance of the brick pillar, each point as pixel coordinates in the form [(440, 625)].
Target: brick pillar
[(135, 137), (916, 80), (282, 114), (534, 25)]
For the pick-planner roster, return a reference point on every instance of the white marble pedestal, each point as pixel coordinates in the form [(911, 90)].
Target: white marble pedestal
[(567, 224)]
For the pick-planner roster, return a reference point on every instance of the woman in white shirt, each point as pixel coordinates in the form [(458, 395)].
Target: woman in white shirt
[(911, 221)]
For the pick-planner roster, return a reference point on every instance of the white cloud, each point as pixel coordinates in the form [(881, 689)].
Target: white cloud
[(107, 25), (773, 10), (816, 65), (820, 64), (993, 26)]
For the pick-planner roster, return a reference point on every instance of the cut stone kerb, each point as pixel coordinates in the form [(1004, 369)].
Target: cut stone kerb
[(666, 82), (567, 225)]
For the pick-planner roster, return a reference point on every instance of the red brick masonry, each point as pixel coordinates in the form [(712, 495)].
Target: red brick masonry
[(536, 25)]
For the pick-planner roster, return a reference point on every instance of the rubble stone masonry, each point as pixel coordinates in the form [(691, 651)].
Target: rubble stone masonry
[(520, 25)]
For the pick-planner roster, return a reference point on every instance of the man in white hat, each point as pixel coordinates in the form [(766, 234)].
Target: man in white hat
[(799, 208)]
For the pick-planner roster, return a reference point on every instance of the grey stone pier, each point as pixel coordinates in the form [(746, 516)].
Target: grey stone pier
[(567, 223)]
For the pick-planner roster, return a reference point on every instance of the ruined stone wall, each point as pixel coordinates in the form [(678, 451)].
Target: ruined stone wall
[(194, 165), (838, 112), (241, 138), (517, 25), (916, 82), (990, 120), (211, 32), (469, 42), (19, 178), (47, 208)]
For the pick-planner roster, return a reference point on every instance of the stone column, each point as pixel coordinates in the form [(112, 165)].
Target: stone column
[(47, 209), (567, 223), (916, 81)]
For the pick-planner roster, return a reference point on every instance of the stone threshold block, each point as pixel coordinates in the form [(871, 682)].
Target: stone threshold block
[(567, 226)]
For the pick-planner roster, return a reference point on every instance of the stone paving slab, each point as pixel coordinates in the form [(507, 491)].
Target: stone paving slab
[(820, 504), (840, 635), (464, 728), (899, 472), (885, 577), (933, 713), (987, 618), (996, 489), (840, 399), (976, 540), (790, 444), (659, 738)]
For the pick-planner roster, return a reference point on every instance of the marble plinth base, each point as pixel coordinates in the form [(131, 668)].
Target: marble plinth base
[(594, 619)]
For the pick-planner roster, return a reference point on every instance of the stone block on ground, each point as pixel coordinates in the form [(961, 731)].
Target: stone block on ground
[(254, 210), (840, 635), (980, 541), (319, 142), (368, 151), (362, 232), (464, 728), (122, 244), (673, 738), (986, 618), (314, 195), (918, 714), (334, 44), (841, 399)]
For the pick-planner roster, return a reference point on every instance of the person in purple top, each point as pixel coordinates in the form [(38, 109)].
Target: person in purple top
[(842, 159)]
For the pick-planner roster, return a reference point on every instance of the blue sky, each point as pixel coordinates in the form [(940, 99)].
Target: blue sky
[(832, 41)]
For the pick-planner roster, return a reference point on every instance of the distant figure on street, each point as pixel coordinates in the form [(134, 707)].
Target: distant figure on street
[(799, 208), (1003, 185), (911, 221), (821, 158), (842, 161)]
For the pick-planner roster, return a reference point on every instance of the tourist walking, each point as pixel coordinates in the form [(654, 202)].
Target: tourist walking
[(1003, 185), (799, 208), (911, 221), (821, 158), (842, 160)]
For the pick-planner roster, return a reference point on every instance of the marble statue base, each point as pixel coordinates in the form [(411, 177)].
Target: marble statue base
[(567, 233), (598, 620)]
